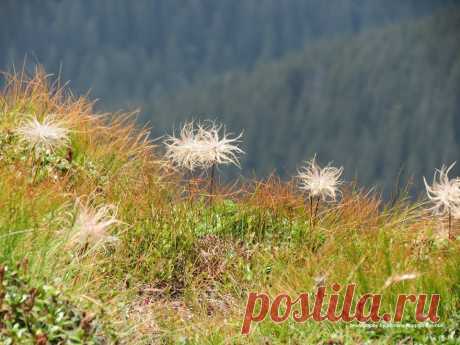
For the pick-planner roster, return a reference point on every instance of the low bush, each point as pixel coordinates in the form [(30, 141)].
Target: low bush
[(41, 315)]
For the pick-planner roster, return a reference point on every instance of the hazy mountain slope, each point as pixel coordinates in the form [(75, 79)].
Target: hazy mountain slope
[(130, 51), (373, 103)]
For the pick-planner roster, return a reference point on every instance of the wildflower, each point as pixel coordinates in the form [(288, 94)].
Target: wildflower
[(183, 151), (215, 150), (48, 134), (444, 192), (92, 225), (320, 182), (201, 147)]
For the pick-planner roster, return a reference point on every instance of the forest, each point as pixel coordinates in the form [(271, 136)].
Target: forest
[(385, 104)]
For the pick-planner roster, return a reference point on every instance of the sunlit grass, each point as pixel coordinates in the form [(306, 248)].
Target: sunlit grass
[(180, 271)]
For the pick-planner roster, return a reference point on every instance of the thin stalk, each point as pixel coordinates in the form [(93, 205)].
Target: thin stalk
[(188, 177), (450, 225), (316, 211), (35, 166), (311, 215), (211, 185)]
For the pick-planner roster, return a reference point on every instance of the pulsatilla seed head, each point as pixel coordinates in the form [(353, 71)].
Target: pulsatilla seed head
[(47, 134), (444, 193), (320, 182), (202, 146)]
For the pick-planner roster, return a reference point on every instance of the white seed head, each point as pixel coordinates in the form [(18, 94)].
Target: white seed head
[(444, 193), (182, 150), (320, 182), (47, 134), (93, 225), (201, 147), (215, 150)]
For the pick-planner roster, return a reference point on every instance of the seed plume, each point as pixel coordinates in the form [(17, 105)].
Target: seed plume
[(444, 193), (201, 146), (92, 225), (48, 134), (320, 182)]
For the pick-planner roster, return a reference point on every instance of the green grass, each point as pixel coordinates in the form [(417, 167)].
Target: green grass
[(181, 269)]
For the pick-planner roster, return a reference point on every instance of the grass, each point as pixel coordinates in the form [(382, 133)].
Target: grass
[(182, 267)]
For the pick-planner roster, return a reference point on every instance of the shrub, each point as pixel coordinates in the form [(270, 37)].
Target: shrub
[(42, 316)]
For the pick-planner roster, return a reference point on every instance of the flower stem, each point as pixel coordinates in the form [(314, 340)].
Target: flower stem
[(450, 225), (188, 178), (316, 211), (211, 185), (311, 214)]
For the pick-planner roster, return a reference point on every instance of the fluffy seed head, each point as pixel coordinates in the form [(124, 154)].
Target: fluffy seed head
[(320, 182), (182, 150), (444, 193), (92, 225), (47, 134), (201, 147)]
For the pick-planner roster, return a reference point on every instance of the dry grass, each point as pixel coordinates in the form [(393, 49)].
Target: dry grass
[(183, 267)]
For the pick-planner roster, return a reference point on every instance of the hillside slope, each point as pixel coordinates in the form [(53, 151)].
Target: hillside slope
[(376, 103), (91, 209)]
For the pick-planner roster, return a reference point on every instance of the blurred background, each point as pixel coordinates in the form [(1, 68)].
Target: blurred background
[(373, 85)]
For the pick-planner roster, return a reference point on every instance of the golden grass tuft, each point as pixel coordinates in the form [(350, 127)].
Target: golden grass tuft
[(272, 193), (128, 155), (37, 94)]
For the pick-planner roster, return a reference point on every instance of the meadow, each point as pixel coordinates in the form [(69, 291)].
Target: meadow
[(129, 249)]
